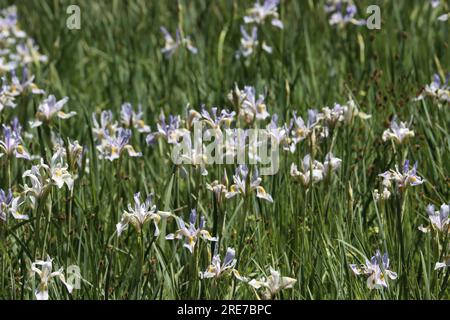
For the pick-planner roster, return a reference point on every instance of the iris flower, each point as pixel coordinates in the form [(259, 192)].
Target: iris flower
[(399, 133), (10, 205), (437, 89), (28, 53), (376, 269), (273, 284), (113, 146), (407, 177), (49, 109), (259, 13), (12, 143), (43, 176), (140, 214), (443, 264), (240, 184), (342, 13), (46, 275), (106, 127), (132, 119), (439, 219), (191, 233), (297, 130), (312, 171), (170, 131), (250, 43), (217, 269), (171, 45)]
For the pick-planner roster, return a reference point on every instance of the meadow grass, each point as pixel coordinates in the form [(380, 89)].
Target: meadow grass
[(310, 234)]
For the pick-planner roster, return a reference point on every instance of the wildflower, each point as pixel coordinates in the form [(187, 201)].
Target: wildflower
[(106, 126), (408, 177), (7, 99), (444, 17), (217, 269), (40, 185), (170, 131), (332, 116), (218, 188), (436, 89), (351, 111), (240, 187), (171, 45), (132, 119), (342, 13), (443, 264), (377, 269), (257, 106), (43, 176), (312, 171), (250, 107), (19, 86), (58, 171), (10, 205), (12, 143), (214, 120), (279, 134), (194, 155), (439, 219), (301, 130), (236, 96), (399, 133), (113, 146), (140, 214), (259, 13), (435, 3), (297, 130), (27, 53), (273, 284), (74, 152), (50, 108), (191, 233), (250, 43), (331, 164), (45, 274), (6, 66)]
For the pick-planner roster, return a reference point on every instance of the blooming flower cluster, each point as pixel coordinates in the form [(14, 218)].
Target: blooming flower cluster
[(17, 51), (113, 141)]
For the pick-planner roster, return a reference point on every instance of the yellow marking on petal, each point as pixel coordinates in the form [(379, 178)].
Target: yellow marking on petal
[(114, 150)]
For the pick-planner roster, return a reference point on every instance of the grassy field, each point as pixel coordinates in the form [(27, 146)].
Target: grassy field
[(310, 233)]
